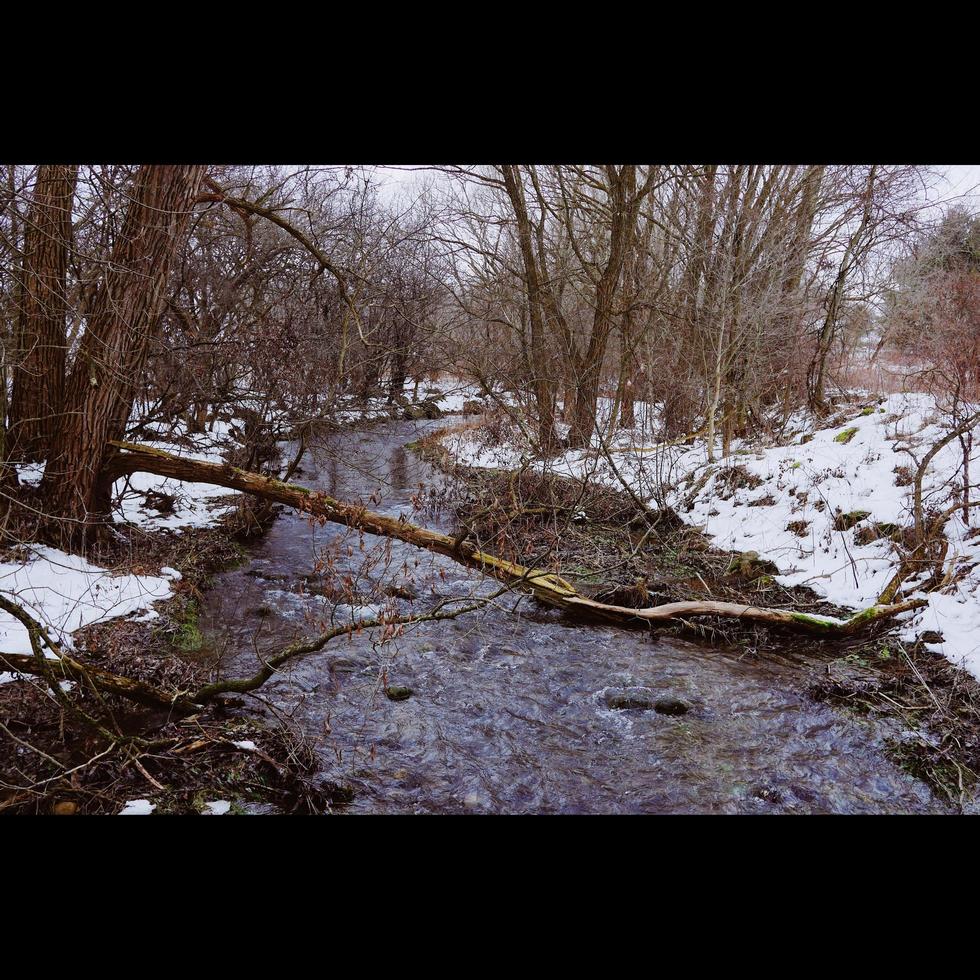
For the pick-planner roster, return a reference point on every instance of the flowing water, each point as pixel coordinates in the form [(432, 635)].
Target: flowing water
[(509, 710)]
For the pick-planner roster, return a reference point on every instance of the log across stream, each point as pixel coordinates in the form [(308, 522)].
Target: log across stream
[(515, 708), (546, 587)]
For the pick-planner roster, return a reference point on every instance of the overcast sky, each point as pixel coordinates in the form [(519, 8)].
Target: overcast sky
[(959, 180)]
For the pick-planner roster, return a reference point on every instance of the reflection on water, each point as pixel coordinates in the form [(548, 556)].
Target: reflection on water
[(511, 707)]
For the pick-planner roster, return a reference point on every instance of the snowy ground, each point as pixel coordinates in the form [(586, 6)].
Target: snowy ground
[(65, 592), (788, 506), (449, 394)]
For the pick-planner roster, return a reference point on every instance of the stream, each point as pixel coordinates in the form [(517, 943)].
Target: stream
[(509, 710)]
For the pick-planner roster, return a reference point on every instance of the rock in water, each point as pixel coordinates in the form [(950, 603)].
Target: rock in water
[(626, 702), (671, 706)]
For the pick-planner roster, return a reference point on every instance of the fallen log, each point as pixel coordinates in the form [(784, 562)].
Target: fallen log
[(548, 588)]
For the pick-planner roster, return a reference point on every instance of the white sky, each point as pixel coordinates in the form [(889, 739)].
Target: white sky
[(960, 179)]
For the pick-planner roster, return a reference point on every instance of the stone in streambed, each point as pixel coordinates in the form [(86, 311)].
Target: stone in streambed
[(671, 706), (627, 702)]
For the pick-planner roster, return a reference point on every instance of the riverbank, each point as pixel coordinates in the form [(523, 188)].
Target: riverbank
[(211, 763), (591, 532)]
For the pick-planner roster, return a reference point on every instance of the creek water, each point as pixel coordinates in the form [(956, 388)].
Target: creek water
[(510, 705)]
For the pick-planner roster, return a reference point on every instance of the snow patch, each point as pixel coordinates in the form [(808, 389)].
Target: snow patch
[(65, 592), (137, 808)]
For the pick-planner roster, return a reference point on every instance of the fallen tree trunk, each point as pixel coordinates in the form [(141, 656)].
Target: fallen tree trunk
[(547, 587)]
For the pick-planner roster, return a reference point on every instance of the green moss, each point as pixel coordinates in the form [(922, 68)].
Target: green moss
[(869, 410), (814, 621), (189, 637), (846, 435), (864, 616)]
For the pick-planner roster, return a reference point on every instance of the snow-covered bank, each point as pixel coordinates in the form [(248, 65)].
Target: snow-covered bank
[(819, 505), (153, 502), (65, 592), (447, 393)]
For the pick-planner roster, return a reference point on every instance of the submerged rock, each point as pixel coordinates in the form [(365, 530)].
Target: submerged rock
[(767, 793), (627, 702), (396, 591), (671, 706)]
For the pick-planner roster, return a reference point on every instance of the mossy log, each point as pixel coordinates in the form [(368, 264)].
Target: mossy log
[(548, 588)]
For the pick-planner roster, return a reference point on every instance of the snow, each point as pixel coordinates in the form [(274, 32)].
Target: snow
[(137, 808), (65, 592), (194, 503), (30, 474), (216, 808), (448, 393), (806, 484), (247, 744)]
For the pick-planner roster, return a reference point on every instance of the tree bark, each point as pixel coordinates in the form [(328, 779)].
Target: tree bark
[(540, 381), (103, 381), (39, 373)]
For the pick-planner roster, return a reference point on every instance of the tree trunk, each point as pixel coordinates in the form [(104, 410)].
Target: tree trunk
[(103, 382), (39, 374), (852, 254), (540, 380)]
